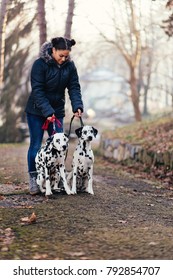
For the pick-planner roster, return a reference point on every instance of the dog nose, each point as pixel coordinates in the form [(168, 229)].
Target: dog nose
[(64, 147), (90, 138)]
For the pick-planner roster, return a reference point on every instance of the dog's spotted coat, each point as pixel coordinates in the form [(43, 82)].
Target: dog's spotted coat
[(50, 165), (83, 160)]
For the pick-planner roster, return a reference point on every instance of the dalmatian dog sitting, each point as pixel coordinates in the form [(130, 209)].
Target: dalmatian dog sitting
[(81, 175), (50, 165)]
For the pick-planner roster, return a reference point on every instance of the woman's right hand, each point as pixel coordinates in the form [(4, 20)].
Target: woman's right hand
[(51, 119)]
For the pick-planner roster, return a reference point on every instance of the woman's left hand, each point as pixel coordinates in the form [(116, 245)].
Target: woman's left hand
[(78, 114)]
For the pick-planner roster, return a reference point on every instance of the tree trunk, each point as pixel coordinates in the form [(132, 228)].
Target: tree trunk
[(135, 95), (145, 108), (3, 23), (41, 18), (69, 19)]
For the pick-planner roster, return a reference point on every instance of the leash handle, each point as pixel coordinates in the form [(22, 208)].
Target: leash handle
[(68, 135), (54, 121), (81, 122)]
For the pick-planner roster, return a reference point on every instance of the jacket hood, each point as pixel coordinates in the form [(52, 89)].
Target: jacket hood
[(45, 52)]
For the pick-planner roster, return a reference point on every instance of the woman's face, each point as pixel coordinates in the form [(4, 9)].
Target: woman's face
[(60, 55)]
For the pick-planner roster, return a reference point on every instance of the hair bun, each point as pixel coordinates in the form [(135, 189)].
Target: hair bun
[(73, 42), (61, 43), (55, 41)]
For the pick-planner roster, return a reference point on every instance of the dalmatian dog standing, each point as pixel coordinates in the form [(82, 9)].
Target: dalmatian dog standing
[(83, 160), (50, 165)]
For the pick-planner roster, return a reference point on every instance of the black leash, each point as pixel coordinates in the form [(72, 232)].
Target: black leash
[(81, 122), (69, 132)]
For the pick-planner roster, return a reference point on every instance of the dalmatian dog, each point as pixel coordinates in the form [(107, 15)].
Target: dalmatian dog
[(83, 160), (50, 165)]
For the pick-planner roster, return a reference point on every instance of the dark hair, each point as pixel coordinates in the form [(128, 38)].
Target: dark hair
[(61, 43)]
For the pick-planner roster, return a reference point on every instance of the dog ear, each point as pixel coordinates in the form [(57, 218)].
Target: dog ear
[(66, 135), (49, 139), (95, 131), (78, 132)]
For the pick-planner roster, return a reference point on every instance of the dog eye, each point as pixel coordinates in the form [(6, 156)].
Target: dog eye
[(85, 132)]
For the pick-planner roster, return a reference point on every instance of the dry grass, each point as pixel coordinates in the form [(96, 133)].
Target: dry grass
[(153, 134)]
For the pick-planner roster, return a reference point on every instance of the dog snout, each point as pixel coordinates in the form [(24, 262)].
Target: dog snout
[(64, 147), (90, 138)]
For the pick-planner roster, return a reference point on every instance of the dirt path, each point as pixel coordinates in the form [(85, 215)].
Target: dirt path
[(127, 218)]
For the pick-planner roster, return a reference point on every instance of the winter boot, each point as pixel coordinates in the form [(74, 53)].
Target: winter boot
[(33, 187)]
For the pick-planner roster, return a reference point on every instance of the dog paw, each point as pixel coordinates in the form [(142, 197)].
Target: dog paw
[(42, 191), (49, 193), (73, 192), (68, 191), (90, 192)]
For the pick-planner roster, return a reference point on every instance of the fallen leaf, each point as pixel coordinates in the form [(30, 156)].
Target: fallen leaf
[(4, 249), (76, 254), (7, 238), (38, 256), (25, 219), (29, 220), (32, 218), (153, 243), (122, 221), (34, 246)]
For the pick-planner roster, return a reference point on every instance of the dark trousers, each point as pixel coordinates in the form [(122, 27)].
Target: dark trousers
[(35, 124)]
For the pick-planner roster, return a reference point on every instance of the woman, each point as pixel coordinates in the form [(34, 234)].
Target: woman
[(51, 74)]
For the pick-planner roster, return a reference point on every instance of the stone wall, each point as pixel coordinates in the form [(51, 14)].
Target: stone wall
[(119, 150)]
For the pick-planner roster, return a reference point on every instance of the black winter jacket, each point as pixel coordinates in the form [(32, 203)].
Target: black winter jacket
[(48, 82)]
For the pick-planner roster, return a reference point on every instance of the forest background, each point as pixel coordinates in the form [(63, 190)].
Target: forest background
[(123, 54)]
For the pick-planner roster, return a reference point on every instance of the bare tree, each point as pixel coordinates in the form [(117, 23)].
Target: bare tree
[(13, 91), (147, 60), (168, 23), (69, 20), (41, 18), (129, 45), (3, 23)]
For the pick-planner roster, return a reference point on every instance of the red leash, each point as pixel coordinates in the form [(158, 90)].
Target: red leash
[(52, 120)]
